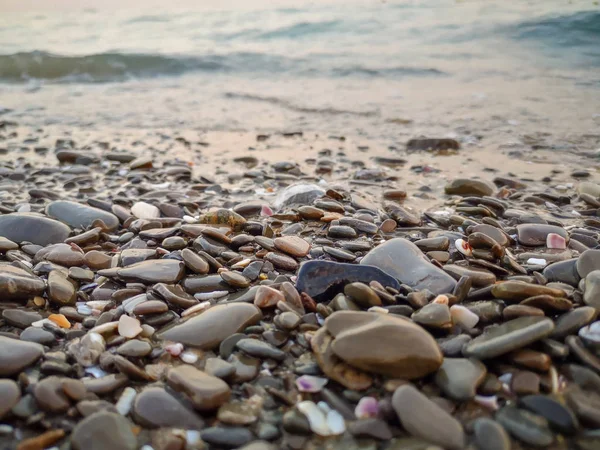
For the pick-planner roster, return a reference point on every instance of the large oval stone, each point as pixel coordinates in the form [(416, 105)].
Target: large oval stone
[(509, 336), (16, 355), (34, 228), (78, 215), (404, 261), (323, 280), (425, 419), (535, 234), (205, 391), (154, 408), (18, 284), (383, 344), (208, 329), (103, 430), (168, 271)]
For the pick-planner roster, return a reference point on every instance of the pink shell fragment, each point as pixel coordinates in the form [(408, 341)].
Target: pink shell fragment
[(309, 383), (463, 247), (174, 349), (554, 240), (367, 407), (129, 327), (266, 211)]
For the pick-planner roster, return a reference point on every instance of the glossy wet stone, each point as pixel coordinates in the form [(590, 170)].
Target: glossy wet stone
[(61, 254), (167, 271), (518, 290), (479, 277), (37, 229), (20, 318), (535, 234), (433, 315), (490, 435), (525, 426), (205, 391), (61, 290), (559, 415), (324, 279), (383, 344), (78, 215), (18, 284), (209, 328), (103, 430), (403, 260), (417, 414), (509, 336), (459, 377), (466, 186), (362, 295), (292, 245), (572, 321), (16, 355), (154, 407)]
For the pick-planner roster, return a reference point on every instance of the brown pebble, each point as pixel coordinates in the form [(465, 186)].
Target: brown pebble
[(525, 383), (42, 441)]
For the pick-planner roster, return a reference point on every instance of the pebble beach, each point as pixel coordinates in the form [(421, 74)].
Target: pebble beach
[(433, 296)]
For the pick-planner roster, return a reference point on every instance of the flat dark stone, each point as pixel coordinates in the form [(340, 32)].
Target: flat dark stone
[(323, 280), (558, 415), (34, 228), (77, 215)]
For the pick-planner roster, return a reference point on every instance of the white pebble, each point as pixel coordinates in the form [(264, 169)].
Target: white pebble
[(464, 317), (189, 219), (107, 327), (316, 417), (210, 295), (335, 422), (125, 401), (129, 327), (378, 309), (537, 261), (188, 357), (174, 349), (143, 210), (192, 437), (96, 371), (41, 323)]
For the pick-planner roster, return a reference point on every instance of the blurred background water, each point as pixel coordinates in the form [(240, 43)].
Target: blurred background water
[(330, 64)]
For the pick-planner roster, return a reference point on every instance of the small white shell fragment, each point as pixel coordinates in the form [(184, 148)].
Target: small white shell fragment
[(316, 417), (367, 407), (490, 402), (537, 261), (242, 264), (174, 349), (125, 401), (96, 371), (554, 240), (463, 247), (130, 304), (143, 210), (129, 327), (463, 316), (189, 219), (310, 383), (146, 447), (210, 295), (189, 357), (84, 310), (98, 304), (192, 437), (335, 422), (441, 299), (200, 307)]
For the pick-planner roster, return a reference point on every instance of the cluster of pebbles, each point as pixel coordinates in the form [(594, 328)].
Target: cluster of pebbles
[(145, 307)]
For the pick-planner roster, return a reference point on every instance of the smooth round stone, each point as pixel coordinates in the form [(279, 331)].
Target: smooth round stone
[(34, 228), (292, 245), (339, 253), (467, 186), (588, 261), (490, 435), (433, 315), (571, 322), (20, 318), (7, 244), (260, 349), (281, 261), (453, 346), (479, 277), (403, 260), (62, 254), (535, 234), (548, 303), (591, 295), (61, 290), (563, 272), (495, 233), (558, 415), (287, 320), (383, 344), (525, 382), (18, 284), (459, 378), (132, 256), (362, 295), (209, 329), (10, 394), (169, 271), (50, 396), (154, 407), (525, 426), (227, 437), (194, 262), (341, 232), (103, 430), (150, 307), (78, 215), (16, 355), (97, 260), (175, 295), (205, 391), (509, 336), (134, 348), (143, 210), (219, 368), (267, 297), (235, 279), (518, 291), (425, 419), (38, 335)]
